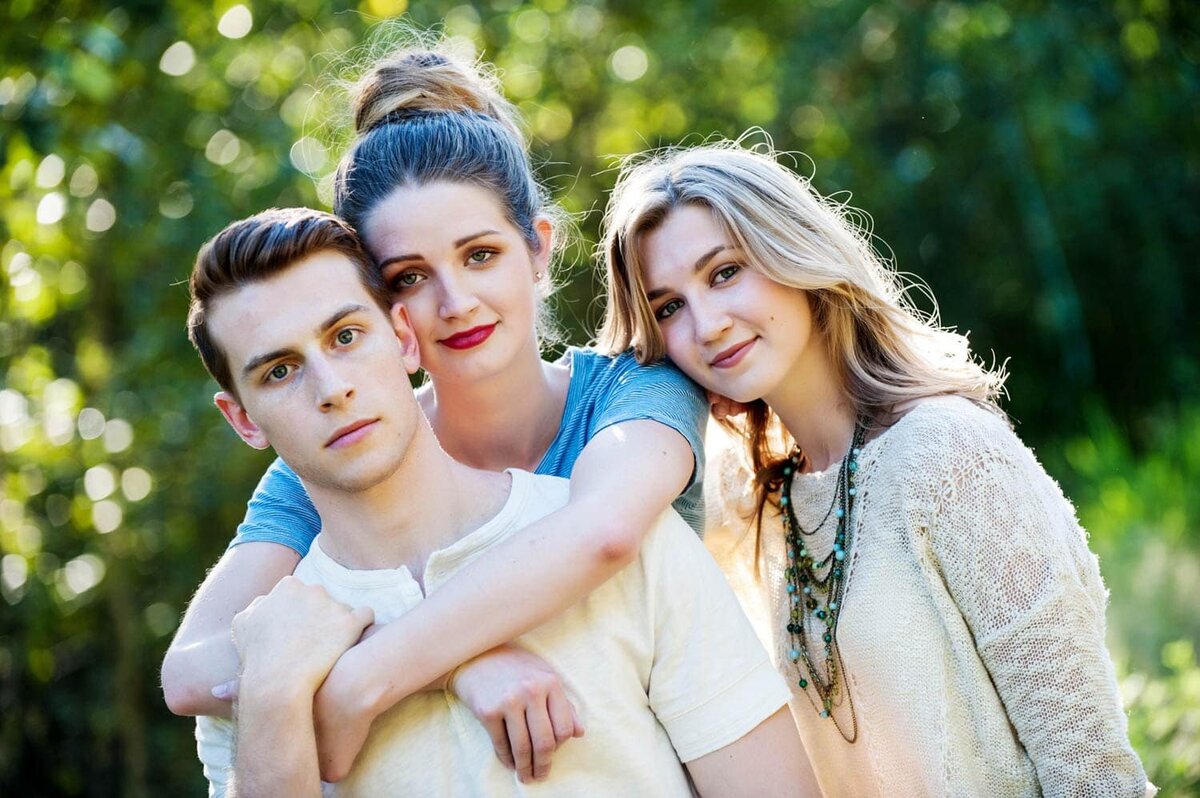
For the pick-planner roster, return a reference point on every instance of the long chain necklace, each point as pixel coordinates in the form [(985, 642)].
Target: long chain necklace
[(816, 588)]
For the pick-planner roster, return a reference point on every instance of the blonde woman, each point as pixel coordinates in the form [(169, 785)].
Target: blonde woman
[(933, 601)]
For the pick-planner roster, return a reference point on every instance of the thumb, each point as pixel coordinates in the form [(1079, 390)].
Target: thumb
[(227, 691)]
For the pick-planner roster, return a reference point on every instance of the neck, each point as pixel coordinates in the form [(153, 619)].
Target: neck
[(419, 508), (506, 420), (815, 409)]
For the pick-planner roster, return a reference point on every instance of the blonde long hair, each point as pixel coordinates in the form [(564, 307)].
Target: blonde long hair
[(885, 350)]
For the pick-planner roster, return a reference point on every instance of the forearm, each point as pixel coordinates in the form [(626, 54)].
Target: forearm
[(550, 565), (202, 654), (190, 671), (1060, 693), (276, 748)]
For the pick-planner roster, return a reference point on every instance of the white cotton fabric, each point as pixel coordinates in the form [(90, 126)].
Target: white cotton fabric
[(972, 631), (660, 663)]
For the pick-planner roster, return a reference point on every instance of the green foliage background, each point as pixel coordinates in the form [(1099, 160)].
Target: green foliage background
[(1037, 163)]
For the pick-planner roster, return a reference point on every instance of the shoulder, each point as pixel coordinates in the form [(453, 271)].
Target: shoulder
[(595, 367), (949, 433)]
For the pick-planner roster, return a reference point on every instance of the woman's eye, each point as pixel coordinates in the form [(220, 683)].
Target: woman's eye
[(726, 273), (668, 308), (278, 373), (480, 256), (346, 337), (406, 280)]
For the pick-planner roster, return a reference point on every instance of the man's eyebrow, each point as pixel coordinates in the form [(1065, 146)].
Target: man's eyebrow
[(258, 361), (457, 244), (340, 314), (701, 261)]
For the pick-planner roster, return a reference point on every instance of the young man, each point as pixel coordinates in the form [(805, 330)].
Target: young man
[(292, 320)]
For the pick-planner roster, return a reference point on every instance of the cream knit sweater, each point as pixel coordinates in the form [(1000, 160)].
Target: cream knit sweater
[(972, 630)]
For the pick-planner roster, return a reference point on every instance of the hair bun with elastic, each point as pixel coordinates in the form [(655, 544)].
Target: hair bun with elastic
[(411, 82)]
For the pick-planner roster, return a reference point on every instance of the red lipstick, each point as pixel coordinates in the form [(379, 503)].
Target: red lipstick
[(469, 339)]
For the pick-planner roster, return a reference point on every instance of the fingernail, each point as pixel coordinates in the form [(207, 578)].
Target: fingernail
[(221, 691)]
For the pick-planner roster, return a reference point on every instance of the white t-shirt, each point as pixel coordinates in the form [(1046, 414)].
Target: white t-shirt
[(659, 661)]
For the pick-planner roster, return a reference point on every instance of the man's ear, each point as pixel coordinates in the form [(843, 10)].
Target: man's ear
[(241, 422), (409, 350)]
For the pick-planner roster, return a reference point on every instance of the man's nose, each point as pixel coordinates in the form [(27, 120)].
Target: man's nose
[(333, 388)]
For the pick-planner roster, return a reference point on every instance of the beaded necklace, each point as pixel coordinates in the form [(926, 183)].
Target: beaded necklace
[(817, 588)]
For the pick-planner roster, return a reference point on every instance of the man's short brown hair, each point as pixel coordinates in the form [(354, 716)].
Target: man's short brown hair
[(260, 247)]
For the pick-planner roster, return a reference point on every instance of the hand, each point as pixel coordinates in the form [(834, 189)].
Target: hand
[(295, 634), (722, 407), (520, 701)]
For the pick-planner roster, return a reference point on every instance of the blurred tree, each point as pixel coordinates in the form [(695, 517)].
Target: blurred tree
[(1035, 163)]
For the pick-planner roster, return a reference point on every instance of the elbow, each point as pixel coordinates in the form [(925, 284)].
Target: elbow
[(183, 696), (617, 546), (180, 697)]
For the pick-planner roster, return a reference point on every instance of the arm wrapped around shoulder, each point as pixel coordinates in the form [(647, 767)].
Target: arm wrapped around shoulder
[(1018, 565)]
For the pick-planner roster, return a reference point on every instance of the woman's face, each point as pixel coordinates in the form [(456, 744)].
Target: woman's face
[(464, 273), (728, 327)]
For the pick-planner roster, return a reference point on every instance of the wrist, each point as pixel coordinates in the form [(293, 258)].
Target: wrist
[(354, 685), (274, 693)]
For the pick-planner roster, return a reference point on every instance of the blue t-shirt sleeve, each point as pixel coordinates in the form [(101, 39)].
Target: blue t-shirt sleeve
[(280, 512), (660, 392)]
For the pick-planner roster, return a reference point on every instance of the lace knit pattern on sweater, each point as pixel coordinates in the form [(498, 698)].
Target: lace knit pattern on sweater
[(972, 629)]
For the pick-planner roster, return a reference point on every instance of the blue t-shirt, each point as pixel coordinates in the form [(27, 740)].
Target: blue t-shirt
[(603, 391)]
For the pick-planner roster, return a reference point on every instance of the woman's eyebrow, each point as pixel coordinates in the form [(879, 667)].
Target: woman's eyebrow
[(700, 263)]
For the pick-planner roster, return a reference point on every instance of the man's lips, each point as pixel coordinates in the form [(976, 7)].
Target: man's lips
[(469, 338), (351, 434), (728, 358)]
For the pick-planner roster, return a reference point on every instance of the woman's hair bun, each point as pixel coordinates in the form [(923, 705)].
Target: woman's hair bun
[(414, 81)]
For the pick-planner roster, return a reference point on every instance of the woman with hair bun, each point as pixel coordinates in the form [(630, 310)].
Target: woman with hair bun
[(439, 185), (932, 598)]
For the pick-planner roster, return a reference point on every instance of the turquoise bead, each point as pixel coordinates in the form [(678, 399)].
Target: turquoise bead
[(840, 513), (824, 713), (794, 654), (853, 466), (853, 491), (833, 605), (792, 588), (839, 555), (807, 590), (783, 499)]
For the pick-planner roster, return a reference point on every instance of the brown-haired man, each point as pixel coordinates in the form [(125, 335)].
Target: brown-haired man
[(660, 661)]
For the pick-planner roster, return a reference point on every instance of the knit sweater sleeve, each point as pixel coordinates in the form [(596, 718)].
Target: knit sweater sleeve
[(1017, 564)]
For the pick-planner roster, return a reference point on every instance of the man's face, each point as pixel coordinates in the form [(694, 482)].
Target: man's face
[(321, 372)]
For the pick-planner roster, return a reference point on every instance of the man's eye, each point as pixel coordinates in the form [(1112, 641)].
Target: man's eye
[(668, 308), (726, 273), (346, 337), (278, 373)]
